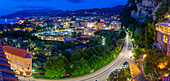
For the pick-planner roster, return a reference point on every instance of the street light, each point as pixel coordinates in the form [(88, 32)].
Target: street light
[(132, 39), (33, 70), (144, 56), (104, 40)]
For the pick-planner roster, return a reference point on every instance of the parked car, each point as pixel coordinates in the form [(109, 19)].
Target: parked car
[(125, 64)]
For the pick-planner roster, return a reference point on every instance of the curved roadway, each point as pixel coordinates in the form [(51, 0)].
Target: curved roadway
[(103, 73)]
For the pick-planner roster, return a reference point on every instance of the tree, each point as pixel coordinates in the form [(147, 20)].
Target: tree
[(75, 57), (137, 52), (89, 53), (117, 75), (108, 41), (122, 34), (73, 47), (150, 35), (98, 49), (83, 54), (81, 67), (94, 62), (67, 54), (94, 51), (55, 68), (139, 36)]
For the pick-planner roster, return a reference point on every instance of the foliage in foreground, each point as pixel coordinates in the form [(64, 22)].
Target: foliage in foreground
[(80, 63), (120, 75)]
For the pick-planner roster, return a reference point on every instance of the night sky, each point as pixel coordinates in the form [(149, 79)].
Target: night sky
[(9, 6)]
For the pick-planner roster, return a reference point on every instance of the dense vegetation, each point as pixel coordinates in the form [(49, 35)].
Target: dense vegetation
[(162, 12), (120, 75), (19, 34), (144, 36), (154, 59), (85, 61)]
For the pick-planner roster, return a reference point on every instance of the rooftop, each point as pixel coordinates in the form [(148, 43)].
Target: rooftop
[(16, 51), (166, 24), (6, 73)]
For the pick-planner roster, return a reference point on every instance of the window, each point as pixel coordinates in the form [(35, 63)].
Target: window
[(15, 59), (28, 68)]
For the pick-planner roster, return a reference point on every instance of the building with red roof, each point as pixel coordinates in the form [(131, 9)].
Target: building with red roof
[(20, 59), (6, 73)]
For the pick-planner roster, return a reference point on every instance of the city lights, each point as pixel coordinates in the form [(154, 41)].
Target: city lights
[(103, 42)]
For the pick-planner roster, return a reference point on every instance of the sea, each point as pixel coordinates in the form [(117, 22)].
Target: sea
[(8, 21)]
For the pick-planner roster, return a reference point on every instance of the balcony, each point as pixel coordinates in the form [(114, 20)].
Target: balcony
[(163, 27)]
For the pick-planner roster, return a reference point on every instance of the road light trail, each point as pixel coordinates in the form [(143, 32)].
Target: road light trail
[(103, 73)]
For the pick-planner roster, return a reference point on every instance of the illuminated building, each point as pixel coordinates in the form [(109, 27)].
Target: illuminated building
[(91, 24), (19, 59), (115, 25), (100, 25), (163, 36), (6, 73)]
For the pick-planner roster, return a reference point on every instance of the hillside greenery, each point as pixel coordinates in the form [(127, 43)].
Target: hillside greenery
[(144, 36), (83, 62)]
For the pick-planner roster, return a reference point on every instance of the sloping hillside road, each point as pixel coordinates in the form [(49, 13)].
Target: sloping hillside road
[(103, 73)]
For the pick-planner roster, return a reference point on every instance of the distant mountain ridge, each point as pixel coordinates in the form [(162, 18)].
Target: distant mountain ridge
[(29, 13), (95, 12), (82, 12)]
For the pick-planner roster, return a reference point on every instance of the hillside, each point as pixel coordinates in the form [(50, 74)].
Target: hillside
[(36, 13), (82, 12), (142, 10), (95, 12), (139, 18)]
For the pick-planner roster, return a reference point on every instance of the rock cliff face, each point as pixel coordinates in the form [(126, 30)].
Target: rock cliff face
[(144, 9)]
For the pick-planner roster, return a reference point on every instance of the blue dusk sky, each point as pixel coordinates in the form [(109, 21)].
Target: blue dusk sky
[(10, 6)]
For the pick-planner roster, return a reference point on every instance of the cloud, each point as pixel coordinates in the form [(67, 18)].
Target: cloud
[(75, 1), (29, 0)]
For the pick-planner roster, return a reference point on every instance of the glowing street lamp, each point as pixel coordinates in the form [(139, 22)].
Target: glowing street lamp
[(132, 39), (103, 40), (33, 70), (144, 56)]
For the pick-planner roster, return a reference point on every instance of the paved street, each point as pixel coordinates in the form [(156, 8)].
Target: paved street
[(136, 74), (103, 73)]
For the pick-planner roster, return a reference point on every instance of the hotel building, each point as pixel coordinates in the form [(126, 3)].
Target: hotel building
[(6, 73), (19, 59), (163, 36)]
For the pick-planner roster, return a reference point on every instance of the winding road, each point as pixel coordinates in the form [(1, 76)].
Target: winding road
[(103, 73)]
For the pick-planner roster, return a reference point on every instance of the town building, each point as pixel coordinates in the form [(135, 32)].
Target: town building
[(91, 24), (19, 59), (116, 25), (55, 36), (163, 36), (6, 73), (76, 24), (83, 24), (100, 25)]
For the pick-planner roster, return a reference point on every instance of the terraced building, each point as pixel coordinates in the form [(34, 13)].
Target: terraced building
[(6, 73)]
